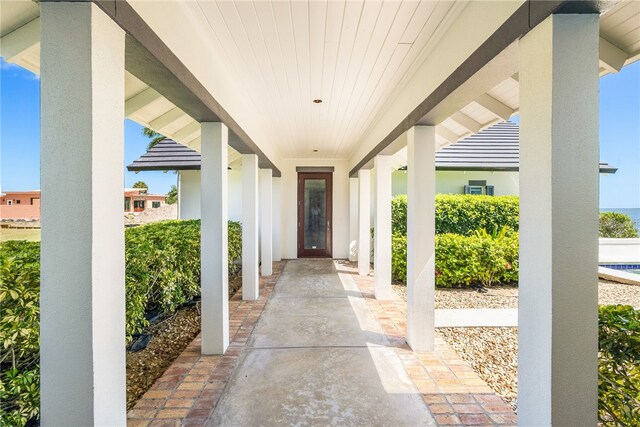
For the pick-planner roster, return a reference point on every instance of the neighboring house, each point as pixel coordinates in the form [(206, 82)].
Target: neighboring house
[(484, 163), (20, 205), (25, 205), (137, 200)]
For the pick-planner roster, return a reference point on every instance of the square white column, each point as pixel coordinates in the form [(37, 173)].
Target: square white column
[(558, 336), (421, 194), (276, 219), (364, 222), (214, 281), (353, 219), (382, 228), (266, 226), (82, 298), (250, 280)]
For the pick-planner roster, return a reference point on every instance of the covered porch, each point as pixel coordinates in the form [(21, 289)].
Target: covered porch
[(336, 95)]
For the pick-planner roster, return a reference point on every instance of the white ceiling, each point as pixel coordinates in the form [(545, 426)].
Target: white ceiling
[(354, 55)]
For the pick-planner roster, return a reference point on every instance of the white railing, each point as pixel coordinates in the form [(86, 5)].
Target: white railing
[(619, 251)]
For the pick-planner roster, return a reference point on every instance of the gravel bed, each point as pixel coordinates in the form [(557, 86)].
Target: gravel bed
[(507, 296), (162, 213), (170, 337), (492, 353)]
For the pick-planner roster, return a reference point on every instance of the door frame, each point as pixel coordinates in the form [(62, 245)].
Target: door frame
[(316, 253)]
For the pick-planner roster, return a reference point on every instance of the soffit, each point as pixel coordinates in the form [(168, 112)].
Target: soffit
[(278, 56)]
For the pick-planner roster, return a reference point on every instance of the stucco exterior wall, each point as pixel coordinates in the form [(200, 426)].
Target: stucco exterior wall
[(288, 218), (20, 211), (453, 182)]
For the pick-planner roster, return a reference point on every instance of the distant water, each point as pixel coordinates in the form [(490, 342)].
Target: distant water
[(634, 213)]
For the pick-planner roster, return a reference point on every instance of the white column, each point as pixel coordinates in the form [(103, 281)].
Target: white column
[(189, 195), (558, 336), (214, 254), (276, 219), (382, 227), (353, 219), (421, 194), (250, 281), (266, 227), (364, 223), (82, 320)]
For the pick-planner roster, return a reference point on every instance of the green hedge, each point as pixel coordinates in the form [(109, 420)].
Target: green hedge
[(480, 259), (463, 214), (162, 272), (619, 366), (19, 332), (617, 225)]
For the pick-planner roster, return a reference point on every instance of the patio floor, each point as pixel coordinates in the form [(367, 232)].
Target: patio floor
[(319, 349)]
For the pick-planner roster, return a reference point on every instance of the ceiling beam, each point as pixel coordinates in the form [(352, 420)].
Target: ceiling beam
[(466, 122), (20, 40), (452, 137), (233, 156), (494, 106), (166, 119), (149, 59), (449, 96), (612, 58), (139, 101), (187, 132)]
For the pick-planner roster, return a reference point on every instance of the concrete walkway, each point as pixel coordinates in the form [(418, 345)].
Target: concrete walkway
[(318, 356), (476, 317)]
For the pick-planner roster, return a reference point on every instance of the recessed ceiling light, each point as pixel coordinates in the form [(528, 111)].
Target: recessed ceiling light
[(317, 101)]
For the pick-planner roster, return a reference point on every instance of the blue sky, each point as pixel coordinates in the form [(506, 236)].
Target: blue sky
[(20, 134)]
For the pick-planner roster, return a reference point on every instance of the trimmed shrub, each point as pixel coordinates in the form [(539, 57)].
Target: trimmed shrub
[(399, 257), (19, 332), (463, 214), (619, 365), (163, 267), (617, 225), (162, 273), (481, 259), (399, 214)]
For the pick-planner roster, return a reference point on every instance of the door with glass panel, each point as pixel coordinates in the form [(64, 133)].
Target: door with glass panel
[(314, 214)]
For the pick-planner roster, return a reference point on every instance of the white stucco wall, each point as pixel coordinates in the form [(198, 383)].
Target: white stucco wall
[(288, 218), (453, 182), (189, 194)]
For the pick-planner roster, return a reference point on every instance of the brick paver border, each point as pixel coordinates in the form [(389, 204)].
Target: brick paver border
[(454, 392), (189, 390)]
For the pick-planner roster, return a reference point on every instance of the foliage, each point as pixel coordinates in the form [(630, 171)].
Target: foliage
[(617, 225), (619, 365), (466, 260), (399, 214), (234, 238), (141, 185), (19, 331), (172, 195), (163, 267), (399, 257), (462, 213), (155, 137), (162, 272)]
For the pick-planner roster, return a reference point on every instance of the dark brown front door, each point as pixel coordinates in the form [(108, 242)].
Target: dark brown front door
[(314, 214)]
